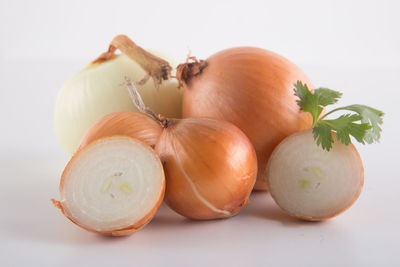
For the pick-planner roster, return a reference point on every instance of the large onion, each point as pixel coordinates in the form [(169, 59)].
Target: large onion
[(98, 90), (253, 89)]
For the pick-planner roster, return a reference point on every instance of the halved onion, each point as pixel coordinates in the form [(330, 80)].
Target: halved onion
[(113, 186), (311, 183)]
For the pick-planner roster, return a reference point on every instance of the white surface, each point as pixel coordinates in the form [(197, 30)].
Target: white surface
[(308, 31), (352, 47)]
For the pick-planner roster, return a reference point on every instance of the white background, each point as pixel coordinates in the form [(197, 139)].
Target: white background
[(351, 46)]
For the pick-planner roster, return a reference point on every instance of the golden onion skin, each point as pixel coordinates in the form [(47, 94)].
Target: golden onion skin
[(210, 167), (129, 123), (251, 88)]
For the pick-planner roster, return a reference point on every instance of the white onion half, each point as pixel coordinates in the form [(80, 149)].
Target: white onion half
[(113, 186), (311, 183), (98, 90)]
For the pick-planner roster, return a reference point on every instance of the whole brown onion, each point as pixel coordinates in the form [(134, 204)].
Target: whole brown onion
[(251, 88), (210, 167)]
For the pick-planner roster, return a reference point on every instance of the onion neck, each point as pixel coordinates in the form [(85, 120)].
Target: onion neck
[(165, 123), (186, 71), (169, 123), (155, 67), (139, 104)]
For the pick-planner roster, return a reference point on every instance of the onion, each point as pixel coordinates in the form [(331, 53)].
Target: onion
[(313, 184), (97, 90), (210, 165), (113, 186), (251, 88), (128, 123)]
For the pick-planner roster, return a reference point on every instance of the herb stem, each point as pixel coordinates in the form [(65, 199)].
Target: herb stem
[(330, 112)]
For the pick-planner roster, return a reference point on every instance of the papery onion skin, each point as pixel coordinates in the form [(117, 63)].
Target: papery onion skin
[(132, 124), (98, 90), (219, 161), (251, 88), (116, 232)]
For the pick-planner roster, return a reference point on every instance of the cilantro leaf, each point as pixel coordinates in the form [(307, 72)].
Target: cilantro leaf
[(344, 126), (314, 102), (368, 129), (323, 135), (307, 101), (370, 116), (327, 96)]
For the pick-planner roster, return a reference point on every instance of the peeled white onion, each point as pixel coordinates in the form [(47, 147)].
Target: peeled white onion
[(98, 90)]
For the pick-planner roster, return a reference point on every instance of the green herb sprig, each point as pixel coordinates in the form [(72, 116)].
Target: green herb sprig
[(364, 123)]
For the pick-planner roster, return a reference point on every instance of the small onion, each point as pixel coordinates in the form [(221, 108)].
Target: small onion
[(210, 165), (313, 184), (98, 90), (251, 88), (128, 123)]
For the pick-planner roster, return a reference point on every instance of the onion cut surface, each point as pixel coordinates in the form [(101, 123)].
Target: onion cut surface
[(113, 186), (313, 184)]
